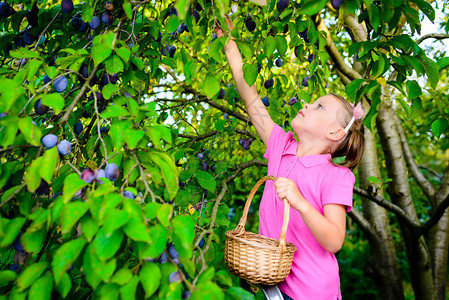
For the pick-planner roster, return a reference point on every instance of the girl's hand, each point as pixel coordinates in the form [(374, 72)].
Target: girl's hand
[(287, 189), (219, 31)]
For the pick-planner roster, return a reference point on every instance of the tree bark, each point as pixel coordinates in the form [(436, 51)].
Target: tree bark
[(383, 260), (417, 252), (438, 243)]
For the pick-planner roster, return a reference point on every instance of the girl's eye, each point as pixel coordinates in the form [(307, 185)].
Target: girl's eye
[(320, 106)]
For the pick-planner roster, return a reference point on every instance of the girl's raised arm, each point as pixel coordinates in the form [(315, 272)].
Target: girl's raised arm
[(257, 111)]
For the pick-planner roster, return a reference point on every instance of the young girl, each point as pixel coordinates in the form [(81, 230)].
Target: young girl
[(318, 190)]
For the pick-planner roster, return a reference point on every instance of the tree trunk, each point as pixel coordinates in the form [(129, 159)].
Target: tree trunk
[(399, 191), (438, 243), (383, 260)]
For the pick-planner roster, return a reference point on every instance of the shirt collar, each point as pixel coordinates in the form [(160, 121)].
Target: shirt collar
[(309, 160)]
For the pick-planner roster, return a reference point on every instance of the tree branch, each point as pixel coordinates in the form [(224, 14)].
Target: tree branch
[(363, 223), (439, 211), (422, 181), (437, 36), (336, 57), (388, 206)]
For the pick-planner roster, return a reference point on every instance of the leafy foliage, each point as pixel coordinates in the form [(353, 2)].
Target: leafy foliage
[(145, 86)]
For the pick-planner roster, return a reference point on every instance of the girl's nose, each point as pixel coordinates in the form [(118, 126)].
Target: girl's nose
[(306, 105)]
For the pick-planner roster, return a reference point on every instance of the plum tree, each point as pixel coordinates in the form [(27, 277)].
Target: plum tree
[(160, 162)]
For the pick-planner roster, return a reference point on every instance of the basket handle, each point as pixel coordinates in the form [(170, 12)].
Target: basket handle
[(241, 226)]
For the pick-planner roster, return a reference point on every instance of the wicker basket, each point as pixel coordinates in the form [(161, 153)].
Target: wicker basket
[(256, 258)]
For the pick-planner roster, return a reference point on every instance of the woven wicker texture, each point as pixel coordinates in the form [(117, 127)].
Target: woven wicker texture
[(256, 258)]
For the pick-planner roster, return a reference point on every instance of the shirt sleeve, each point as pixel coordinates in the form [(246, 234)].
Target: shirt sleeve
[(337, 187), (277, 138)]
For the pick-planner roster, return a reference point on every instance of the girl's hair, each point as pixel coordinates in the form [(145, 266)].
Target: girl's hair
[(352, 145)]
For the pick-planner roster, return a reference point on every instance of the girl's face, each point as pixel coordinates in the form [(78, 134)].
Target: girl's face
[(319, 118)]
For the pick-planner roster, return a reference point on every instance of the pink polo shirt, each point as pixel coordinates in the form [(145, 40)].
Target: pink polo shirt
[(314, 273)]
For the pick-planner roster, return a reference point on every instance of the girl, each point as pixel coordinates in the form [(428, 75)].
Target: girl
[(318, 190)]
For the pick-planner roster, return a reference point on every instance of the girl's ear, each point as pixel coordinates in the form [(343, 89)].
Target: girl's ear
[(336, 134)]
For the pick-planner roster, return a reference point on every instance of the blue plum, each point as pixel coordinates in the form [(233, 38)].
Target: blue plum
[(49, 141), (78, 128), (95, 23), (128, 194), (60, 84), (112, 172), (64, 147), (67, 6)]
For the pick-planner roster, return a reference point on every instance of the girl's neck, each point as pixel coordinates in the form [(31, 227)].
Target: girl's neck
[(305, 149)]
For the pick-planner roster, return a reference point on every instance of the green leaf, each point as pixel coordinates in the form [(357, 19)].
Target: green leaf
[(72, 184), (215, 49), (128, 291), (431, 69), (426, 8), (132, 137), (352, 88), (128, 9), (182, 7), (137, 231), (183, 198), (10, 92), (164, 213), (48, 164), (239, 294), (55, 101), (89, 227), (158, 242), (443, 63), (31, 274), (108, 90), (224, 278), (114, 219), (33, 241), (65, 256), (89, 261), (11, 230), (439, 126), (24, 53), (206, 180), (114, 65), (113, 111), (33, 66), (32, 133), (413, 89), (71, 213), (250, 73), (102, 46), (184, 233), (211, 85), (311, 7), (150, 277), (106, 246), (281, 44), (42, 288), (269, 46), (124, 53), (6, 277), (64, 286), (122, 276), (169, 171), (172, 23), (138, 62)]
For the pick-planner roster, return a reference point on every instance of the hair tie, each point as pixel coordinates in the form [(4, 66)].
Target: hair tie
[(357, 113)]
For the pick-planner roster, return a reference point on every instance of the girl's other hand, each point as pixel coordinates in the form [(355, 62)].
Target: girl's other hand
[(287, 189)]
